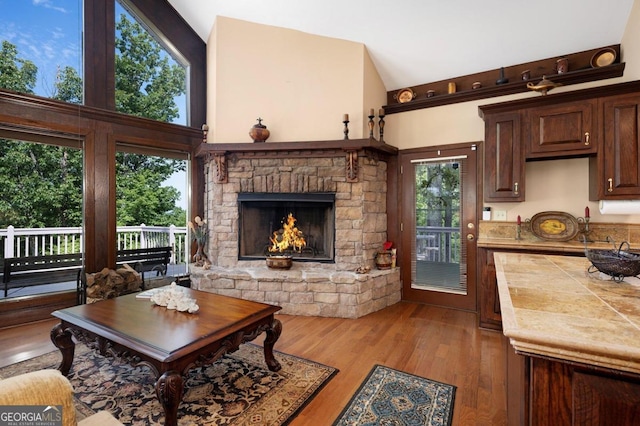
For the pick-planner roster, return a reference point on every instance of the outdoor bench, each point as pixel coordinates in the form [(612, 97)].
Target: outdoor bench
[(38, 270), (56, 268), (154, 259)]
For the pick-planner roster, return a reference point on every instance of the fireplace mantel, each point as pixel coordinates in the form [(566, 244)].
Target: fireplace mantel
[(297, 149), (353, 148)]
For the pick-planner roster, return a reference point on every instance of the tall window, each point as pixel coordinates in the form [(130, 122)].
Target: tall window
[(41, 48), (151, 80)]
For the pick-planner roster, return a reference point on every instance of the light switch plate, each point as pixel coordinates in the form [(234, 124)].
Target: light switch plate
[(499, 215)]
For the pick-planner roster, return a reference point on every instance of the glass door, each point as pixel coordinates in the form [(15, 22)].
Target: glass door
[(439, 226)]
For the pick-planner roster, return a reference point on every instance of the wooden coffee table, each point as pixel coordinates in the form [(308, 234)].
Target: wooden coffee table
[(168, 341)]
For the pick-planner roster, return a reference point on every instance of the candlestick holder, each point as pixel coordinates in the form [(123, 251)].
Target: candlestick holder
[(371, 125), (583, 228), (518, 231), (346, 129), (381, 126)]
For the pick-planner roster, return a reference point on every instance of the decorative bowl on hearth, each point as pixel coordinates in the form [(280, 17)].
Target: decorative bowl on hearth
[(279, 262)]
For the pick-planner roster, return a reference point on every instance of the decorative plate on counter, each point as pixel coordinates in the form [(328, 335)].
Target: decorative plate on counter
[(554, 226)]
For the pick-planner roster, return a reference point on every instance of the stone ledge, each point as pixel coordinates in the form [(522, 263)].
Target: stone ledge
[(307, 292)]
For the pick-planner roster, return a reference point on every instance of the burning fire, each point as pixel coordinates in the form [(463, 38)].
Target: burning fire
[(291, 237)]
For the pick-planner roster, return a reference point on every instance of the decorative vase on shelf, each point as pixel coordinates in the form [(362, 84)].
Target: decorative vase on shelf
[(259, 132), (279, 262), (383, 259)]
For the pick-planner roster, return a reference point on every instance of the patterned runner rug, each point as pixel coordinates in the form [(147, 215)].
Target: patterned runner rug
[(392, 397), (238, 389)]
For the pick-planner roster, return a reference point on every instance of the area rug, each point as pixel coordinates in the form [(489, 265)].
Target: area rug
[(236, 390), (392, 397)]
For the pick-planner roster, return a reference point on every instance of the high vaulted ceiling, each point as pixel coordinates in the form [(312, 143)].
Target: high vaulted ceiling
[(415, 42)]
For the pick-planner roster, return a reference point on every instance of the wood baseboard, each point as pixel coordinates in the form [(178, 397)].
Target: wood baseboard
[(26, 309)]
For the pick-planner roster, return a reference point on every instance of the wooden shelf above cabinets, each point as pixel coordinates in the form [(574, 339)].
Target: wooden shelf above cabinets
[(580, 71)]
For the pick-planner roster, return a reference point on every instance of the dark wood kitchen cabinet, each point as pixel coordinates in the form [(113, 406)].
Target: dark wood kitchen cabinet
[(488, 300), (503, 158), (615, 174), (563, 130), (550, 392), (602, 123)]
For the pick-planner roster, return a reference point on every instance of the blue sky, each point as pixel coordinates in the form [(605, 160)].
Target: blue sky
[(47, 32)]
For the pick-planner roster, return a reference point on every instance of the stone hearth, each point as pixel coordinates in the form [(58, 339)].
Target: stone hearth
[(356, 171)]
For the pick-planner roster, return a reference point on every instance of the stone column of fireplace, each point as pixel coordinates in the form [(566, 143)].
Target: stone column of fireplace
[(309, 288)]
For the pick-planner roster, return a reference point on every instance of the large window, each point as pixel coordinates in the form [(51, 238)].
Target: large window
[(41, 53), (95, 130), (150, 78), (41, 48)]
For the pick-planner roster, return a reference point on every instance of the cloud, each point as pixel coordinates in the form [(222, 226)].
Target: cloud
[(49, 5)]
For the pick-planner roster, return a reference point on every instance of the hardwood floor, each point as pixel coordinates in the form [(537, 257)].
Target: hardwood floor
[(441, 344)]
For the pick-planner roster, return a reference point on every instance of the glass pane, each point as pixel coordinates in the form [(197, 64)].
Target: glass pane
[(41, 214), (438, 262), (151, 81), (151, 206), (41, 48)]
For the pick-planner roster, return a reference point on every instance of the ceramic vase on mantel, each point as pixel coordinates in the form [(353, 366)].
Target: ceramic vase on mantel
[(279, 262), (259, 132)]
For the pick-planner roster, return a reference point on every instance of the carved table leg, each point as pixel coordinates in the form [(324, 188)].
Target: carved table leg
[(169, 389), (273, 333), (63, 339)]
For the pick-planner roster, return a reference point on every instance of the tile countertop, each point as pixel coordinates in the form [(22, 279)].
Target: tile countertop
[(553, 308)]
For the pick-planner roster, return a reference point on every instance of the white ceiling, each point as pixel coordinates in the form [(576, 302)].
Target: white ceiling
[(416, 42)]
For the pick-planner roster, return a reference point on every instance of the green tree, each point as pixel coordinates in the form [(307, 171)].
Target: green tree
[(146, 83), (140, 196), (15, 73), (68, 86)]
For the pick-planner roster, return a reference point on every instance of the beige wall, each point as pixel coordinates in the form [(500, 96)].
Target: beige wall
[(302, 84)]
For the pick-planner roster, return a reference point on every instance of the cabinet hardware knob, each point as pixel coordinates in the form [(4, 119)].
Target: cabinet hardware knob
[(515, 188), (586, 138), (610, 185)]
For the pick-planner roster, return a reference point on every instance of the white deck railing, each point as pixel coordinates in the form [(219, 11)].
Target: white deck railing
[(21, 242)]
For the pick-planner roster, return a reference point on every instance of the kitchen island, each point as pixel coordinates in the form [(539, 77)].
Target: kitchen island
[(574, 341)]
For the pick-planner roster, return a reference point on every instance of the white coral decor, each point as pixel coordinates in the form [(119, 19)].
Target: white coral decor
[(174, 297)]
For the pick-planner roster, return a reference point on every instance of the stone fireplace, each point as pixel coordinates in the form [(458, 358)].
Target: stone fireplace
[(339, 191)]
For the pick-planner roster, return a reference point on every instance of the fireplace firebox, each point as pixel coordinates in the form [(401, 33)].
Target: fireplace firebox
[(262, 214)]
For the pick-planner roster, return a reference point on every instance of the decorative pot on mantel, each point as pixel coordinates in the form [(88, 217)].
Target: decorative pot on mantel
[(384, 259), (279, 262), (259, 132)]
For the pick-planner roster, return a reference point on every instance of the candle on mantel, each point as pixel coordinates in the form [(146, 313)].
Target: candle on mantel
[(381, 112), (345, 117), (371, 112), (586, 212), (518, 221)]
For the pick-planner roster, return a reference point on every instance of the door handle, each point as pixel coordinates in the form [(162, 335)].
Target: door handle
[(471, 237), (610, 185), (586, 138)]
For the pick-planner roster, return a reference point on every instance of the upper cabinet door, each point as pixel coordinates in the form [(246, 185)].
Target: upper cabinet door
[(567, 129), (619, 160), (503, 158)]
